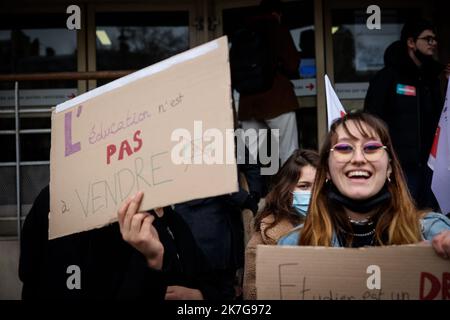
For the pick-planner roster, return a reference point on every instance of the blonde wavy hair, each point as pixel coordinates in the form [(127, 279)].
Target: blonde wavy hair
[(397, 220)]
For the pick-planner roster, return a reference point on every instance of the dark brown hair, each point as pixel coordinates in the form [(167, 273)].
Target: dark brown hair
[(279, 199)]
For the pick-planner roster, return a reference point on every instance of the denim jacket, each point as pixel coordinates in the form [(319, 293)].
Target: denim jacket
[(431, 224)]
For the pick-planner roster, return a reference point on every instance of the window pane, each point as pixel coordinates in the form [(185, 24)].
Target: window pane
[(31, 43), (35, 147), (33, 180), (358, 52), (37, 43), (35, 121), (134, 40), (298, 17), (8, 153), (307, 122), (8, 192), (8, 228), (7, 122)]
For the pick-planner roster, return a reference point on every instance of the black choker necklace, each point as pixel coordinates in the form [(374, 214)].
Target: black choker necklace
[(359, 206)]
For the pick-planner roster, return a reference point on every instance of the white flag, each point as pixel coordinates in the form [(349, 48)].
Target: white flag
[(439, 159), (335, 109)]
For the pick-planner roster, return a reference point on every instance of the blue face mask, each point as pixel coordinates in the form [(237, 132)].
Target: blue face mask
[(301, 201)]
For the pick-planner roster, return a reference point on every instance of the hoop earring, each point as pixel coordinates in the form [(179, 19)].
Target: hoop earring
[(389, 179), (327, 180)]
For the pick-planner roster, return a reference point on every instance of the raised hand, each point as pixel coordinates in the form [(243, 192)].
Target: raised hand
[(182, 293), (137, 229), (441, 244)]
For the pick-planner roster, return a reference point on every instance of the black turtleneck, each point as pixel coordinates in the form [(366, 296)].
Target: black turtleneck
[(358, 235), (359, 206)]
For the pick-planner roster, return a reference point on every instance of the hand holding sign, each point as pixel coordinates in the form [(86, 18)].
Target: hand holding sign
[(137, 229), (115, 140), (441, 244), (182, 293)]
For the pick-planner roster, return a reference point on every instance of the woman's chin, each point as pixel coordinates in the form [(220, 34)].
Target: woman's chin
[(360, 195)]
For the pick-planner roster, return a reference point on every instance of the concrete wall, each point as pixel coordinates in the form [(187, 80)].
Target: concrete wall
[(10, 285)]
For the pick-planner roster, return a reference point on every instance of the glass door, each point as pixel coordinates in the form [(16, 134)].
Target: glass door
[(355, 52), (298, 16)]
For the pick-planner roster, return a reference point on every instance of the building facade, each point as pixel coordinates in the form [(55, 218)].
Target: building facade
[(338, 38)]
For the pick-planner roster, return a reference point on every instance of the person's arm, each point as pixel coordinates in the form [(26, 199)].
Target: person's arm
[(144, 276), (206, 284), (243, 199), (137, 229), (248, 199), (238, 198), (183, 293), (252, 173), (211, 286), (139, 281)]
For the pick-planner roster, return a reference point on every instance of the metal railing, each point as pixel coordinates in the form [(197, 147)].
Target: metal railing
[(16, 78)]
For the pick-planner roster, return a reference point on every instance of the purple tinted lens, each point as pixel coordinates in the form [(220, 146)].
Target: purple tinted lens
[(343, 148), (372, 147)]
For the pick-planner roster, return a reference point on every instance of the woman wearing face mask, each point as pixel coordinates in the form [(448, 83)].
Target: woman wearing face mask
[(286, 207), (360, 197)]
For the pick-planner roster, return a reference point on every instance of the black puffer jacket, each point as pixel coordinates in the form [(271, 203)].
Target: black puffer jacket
[(413, 118)]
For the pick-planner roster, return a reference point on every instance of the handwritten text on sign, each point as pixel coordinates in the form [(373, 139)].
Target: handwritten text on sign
[(308, 273), (113, 141)]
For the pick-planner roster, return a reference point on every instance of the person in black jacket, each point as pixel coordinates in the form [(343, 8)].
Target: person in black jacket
[(217, 226), (109, 267), (406, 95)]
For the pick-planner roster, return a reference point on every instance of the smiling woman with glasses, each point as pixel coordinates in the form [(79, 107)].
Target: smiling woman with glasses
[(360, 196)]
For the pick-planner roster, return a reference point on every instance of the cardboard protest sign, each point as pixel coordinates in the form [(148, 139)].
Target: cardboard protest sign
[(124, 137), (373, 273)]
